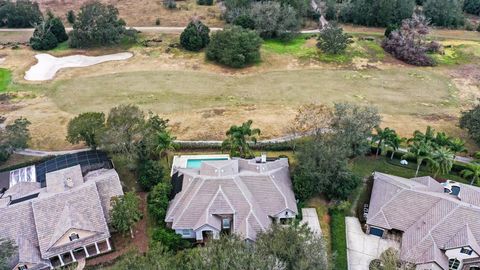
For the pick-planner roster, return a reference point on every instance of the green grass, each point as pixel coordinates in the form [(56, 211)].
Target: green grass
[(458, 54), (5, 79), (364, 166), (61, 47), (339, 239), (295, 46), (298, 47)]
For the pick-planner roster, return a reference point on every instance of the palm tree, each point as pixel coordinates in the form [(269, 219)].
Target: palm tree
[(164, 144), (418, 136), (421, 151), (238, 138), (441, 161), (394, 143), (472, 171), (382, 136), (457, 145)]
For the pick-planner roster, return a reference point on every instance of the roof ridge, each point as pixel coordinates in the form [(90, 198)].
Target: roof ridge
[(271, 177), (189, 202), (235, 180), (429, 233)]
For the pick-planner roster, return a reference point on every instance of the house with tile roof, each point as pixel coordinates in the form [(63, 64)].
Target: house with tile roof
[(438, 223), (230, 196), (61, 220)]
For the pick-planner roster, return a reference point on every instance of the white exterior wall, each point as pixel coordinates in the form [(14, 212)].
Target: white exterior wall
[(199, 231), (456, 254), (428, 266)]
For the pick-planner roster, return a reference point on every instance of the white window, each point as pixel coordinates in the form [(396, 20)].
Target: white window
[(74, 236), (226, 223), (453, 264), (466, 251), (186, 232)]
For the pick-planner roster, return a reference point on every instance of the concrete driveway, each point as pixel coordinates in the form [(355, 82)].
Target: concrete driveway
[(363, 248)]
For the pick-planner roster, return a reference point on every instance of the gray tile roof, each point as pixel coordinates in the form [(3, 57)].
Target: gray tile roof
[(431, 220), (36, 225), (252, 192)]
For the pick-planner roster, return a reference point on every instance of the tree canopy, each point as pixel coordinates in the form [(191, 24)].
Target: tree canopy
[(235, 47), (470, 120), (448, 13), (195, 36), (97, 25), (275, 20), (332, 40), (19, 14), (86, 127), (125, 212), (7, 250), (14, 135), (239, 138)]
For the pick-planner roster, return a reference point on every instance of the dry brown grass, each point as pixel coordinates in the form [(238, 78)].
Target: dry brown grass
[(145, 12), (203, 99)]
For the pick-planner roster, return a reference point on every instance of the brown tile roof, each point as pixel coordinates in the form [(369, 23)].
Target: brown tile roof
[(41, 221), (252, 192), (431, 220)]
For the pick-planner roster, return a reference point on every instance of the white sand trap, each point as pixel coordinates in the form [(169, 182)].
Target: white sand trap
[(49, 65)]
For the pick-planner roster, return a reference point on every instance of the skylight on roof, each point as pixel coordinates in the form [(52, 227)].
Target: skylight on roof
[(26, 174)]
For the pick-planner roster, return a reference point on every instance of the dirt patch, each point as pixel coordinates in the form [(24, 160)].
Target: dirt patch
[(123, 244), (467, 80), (438, 117)]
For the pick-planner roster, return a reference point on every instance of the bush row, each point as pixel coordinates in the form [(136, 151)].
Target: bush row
[(266, 146)]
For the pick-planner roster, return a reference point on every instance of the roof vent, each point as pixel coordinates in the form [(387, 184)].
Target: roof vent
[(69, 182)]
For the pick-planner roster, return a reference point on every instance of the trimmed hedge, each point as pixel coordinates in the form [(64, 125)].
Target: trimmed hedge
[(339, 239), (214, 145)]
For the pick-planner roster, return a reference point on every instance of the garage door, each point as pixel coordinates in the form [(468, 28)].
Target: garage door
[(376, 231)]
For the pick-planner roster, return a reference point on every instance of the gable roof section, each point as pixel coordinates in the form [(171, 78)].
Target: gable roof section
[(252, 197), (464, 237), (76, 208)]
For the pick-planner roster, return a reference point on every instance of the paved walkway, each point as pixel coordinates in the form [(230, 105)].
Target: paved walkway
[(363, 248), (310, 217)]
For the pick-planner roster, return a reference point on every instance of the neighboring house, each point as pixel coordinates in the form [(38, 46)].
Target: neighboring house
[(230, 196), (439, 224), (60, 219)]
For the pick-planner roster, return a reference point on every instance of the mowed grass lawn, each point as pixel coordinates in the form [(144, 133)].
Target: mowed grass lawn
[(394, 91), (5, 78)]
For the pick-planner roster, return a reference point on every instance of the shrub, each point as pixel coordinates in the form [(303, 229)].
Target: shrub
[(43, 38), (169, 239), (195, 36), (97, 25), (478, 28), (157, 21), (390, 28), (332, 39), (245, 21), (158, 201), (446, 13), (150, 173), (408, 43), (170, 4), (339, 241), (331, 10), (71, 17), (57, 28), (205, 2), (472, 7), (19, 14), (273, 20), (470, 120), (235, 47)]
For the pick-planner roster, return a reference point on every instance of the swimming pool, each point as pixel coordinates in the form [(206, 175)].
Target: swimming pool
[(197, 163)]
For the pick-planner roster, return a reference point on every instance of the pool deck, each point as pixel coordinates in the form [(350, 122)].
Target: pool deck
[(181, 161)]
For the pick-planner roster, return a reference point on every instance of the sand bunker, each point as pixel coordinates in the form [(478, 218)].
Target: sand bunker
[(49, 65)]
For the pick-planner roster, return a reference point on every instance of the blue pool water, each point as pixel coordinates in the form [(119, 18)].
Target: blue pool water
[(197, 163)]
